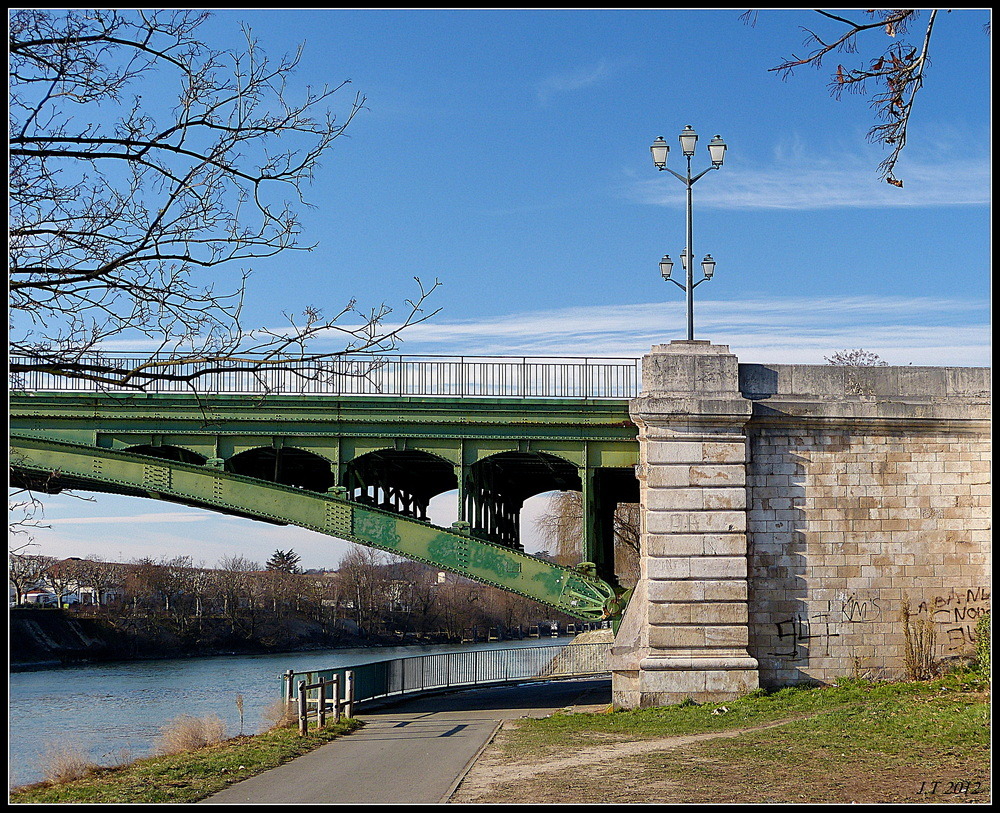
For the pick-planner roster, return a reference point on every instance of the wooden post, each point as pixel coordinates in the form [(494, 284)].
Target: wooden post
[(321, 711), (303, 721), (349, 692), (288, 685), (336, 698)]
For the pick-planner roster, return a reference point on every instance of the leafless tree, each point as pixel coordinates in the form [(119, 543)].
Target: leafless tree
[(63, 577), (459, 602), (165, 579), (890, 73), (23, 511), (100, 576), (235, 573), (562, 527), (361, 573), (627, 541), (124, 202), (200, 583), (25, 571), (855, 358)]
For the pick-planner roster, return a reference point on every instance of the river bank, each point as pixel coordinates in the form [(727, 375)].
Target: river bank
[(41, 638), (108, 709)]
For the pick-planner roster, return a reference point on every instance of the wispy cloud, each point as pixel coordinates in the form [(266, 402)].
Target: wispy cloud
[(903, 330), (571, 80), (796, 180)]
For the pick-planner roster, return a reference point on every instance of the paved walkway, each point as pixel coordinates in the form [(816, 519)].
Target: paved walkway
[(413, 752)]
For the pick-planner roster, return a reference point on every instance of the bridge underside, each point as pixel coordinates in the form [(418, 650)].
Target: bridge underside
[(363, 469), (51, 466)]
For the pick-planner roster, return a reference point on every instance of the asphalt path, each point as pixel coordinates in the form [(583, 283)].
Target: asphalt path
[(414, 751)]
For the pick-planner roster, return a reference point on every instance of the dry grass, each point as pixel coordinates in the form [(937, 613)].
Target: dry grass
[(184, 778), (65, 762), (280, 715), (187, 733), (918, 636)]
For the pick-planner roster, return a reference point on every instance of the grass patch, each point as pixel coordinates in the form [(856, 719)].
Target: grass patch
[(881, 747), (857, 741), (185, 777), (841, 704)]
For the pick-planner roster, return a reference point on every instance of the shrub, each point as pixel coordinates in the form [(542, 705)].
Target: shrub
[(983, 643), (64, 762), (918, 636), (187, 733), (280, 715)]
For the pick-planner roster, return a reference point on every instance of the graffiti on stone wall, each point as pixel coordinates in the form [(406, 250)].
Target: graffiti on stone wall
[(797, 633), (805, 635), (857, 609), (957, 612)]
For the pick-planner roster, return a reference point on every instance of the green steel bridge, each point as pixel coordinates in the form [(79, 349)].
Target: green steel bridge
[(356, 449)]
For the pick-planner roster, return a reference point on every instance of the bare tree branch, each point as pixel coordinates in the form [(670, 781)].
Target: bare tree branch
[(891, 77), (121, 201)]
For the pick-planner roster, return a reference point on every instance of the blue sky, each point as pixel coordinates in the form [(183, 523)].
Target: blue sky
[(505, 153)]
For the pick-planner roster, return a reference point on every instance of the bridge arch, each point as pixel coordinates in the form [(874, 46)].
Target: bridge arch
[(400, 480), (496, 487), (285, 465)]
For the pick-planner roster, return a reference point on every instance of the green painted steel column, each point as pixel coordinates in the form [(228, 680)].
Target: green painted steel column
[(460, 477), (598, 524)]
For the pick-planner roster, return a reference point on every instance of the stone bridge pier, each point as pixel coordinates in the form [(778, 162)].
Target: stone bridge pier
[(685, 632), (802, 523)]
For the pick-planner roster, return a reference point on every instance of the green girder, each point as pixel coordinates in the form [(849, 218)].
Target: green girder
[(570, 591)]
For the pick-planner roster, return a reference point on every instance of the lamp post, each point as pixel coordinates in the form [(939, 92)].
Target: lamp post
[(717, 152)]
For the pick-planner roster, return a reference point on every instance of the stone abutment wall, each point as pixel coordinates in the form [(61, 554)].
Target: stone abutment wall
[(791, 512)]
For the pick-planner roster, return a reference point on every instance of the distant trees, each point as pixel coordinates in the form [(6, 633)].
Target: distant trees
[(25, 571), (284, 561), (380, 594), (362, 578), (99, 576), (63, 578)]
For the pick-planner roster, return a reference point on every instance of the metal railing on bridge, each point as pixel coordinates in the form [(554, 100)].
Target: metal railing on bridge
[(452, 376), (480, 667)]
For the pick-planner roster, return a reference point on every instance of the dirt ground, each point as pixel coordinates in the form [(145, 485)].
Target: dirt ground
[(700, 769)]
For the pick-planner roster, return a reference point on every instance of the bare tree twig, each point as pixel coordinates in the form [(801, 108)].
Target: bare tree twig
[(120, 204), (892, 76)]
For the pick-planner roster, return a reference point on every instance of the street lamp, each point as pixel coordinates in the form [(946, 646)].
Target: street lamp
[(717, 152)]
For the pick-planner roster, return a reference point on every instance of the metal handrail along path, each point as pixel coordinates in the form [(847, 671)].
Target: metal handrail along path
[(480, 667)]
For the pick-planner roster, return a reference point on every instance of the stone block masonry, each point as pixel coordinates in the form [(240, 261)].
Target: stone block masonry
[(869, 489), (788, 514), (686, 630)]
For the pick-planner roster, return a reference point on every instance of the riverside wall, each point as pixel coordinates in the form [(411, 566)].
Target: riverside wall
[(791, 513)]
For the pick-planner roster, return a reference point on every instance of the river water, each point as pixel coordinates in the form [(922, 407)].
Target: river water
[(114, 712)]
